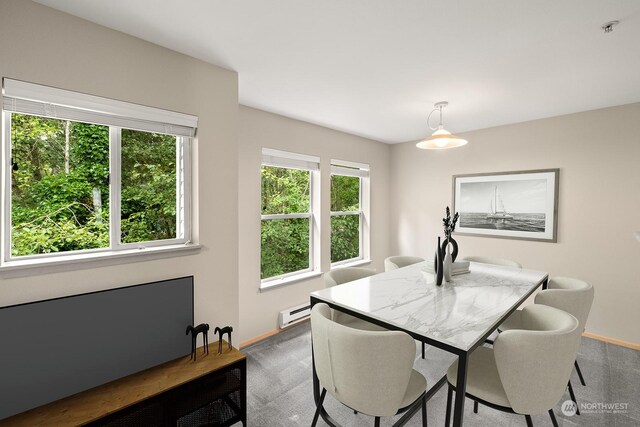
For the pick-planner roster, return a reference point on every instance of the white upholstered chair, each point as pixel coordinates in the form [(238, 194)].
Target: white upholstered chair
[(494, 260), (370, 372), (340, 276), (527, 370), (399, 261), (574, 296)]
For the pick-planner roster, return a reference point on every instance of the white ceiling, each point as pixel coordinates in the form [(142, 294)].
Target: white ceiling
[(376, 67)]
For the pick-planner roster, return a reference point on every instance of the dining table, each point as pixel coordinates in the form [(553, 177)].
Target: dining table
[(457, 316)]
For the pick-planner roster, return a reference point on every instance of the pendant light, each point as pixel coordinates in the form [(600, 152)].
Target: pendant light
[(441, 138)]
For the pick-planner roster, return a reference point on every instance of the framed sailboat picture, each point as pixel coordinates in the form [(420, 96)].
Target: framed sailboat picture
[(512, 205)]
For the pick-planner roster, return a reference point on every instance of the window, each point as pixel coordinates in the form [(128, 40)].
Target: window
[(288, 229), (86, 174), (349, 212)]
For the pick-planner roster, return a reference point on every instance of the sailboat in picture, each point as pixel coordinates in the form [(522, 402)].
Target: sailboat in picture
[(496, 210)]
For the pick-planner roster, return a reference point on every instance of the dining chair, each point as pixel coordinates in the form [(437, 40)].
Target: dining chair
[(370, 372), (343, 275), (494, 260), (339, 276), (348, 274), (399, 261), (512, 377), (574, 296)]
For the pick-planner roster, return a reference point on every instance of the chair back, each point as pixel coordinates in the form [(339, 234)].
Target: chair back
[(367, 371), (494, 260), (395, 262), (535, 363), (346, 274), (574, 296)]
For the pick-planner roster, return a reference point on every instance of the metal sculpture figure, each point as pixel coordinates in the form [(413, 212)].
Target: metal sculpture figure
[(204, 328), (222, 332)]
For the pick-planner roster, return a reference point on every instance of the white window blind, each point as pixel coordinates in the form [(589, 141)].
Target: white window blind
[(284, 159), (342, 167), (29, 98)]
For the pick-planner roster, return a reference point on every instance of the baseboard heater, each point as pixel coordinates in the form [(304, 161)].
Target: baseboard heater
[(294, 315)]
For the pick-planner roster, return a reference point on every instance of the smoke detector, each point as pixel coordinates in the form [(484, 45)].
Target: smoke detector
[(608, 26)]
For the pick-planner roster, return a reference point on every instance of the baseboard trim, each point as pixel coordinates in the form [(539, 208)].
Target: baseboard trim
[(612, 340), (259, 338), (270, 334)]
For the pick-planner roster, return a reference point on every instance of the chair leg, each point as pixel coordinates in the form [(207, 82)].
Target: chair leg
[(553, 418), (475, 406), (424, 410), (448, 413), (376, 423), (528, 418), (579, 373), (423, 345), (317, 414), (573, 397)]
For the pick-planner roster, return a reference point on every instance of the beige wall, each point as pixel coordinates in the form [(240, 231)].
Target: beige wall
[(41, 45), (597, 153), (258, 129), (599, 207)]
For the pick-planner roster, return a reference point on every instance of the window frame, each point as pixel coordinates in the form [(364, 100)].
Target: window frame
[(311, 164), (361, 170), (183, 194), (48, 97)]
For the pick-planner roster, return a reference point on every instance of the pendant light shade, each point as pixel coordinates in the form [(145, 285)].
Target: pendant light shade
[(441, 138)]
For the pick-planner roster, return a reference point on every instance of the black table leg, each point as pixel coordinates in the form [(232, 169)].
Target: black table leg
[(316, 382), (577, 370), (447, 419), (461, 388)]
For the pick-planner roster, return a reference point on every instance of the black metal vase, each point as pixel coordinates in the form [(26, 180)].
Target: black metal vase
[(437, 264), (454, 252)]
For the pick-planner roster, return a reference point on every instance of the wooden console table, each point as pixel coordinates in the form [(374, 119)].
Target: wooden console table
[(211, 391)]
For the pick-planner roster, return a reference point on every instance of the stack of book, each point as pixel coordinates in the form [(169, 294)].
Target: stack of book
[(457, 267)]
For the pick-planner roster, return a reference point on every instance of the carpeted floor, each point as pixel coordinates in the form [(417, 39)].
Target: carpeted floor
[(280, 391)]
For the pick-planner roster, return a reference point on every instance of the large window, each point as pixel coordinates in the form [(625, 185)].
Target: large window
[(349, 208), (87, 174), (288, 222)]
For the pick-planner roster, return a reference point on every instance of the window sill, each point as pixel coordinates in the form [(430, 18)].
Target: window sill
[(354, 263), (270, 284), (92, 260)]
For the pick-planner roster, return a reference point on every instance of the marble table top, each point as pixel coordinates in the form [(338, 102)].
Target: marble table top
[(458, 313)]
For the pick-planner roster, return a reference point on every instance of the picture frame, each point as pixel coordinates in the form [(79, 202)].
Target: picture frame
[(511, 205)]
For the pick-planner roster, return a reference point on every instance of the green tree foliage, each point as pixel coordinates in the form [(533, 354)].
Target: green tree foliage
[(148, 168), (60, 185), (285, 246), (345, 237), (285, 191), (345, 193), (345, 229)]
